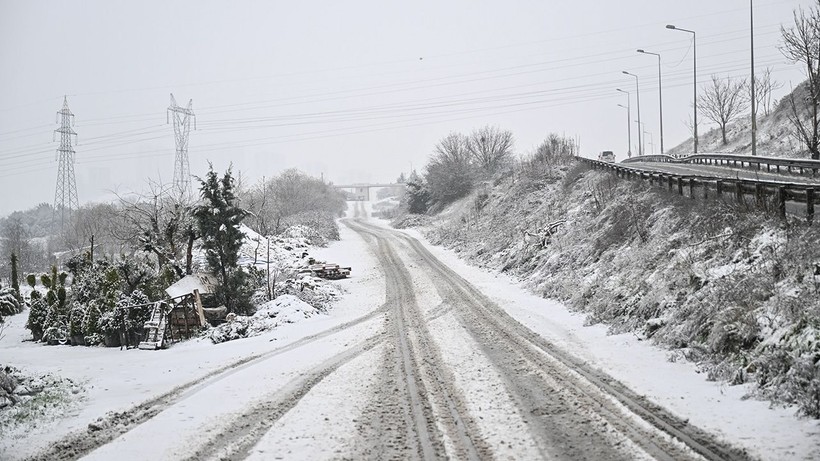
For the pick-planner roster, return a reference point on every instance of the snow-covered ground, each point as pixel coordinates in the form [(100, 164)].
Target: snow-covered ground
[(116, 380)]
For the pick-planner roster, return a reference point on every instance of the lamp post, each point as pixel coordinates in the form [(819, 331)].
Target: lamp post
[(629, 132), (754, 103), (628, 122), (638, 99), (660, 92), (695, 81)]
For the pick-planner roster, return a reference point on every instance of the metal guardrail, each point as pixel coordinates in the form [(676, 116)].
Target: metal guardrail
[(760, 190), (791, 165)]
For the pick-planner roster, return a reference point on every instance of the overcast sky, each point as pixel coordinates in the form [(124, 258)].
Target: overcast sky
[(353, 90)]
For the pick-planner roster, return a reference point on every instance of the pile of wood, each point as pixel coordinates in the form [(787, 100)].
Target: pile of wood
[(330, 271)]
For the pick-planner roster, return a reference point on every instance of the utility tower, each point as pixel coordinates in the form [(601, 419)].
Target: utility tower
[(182, 127), (65, 197)]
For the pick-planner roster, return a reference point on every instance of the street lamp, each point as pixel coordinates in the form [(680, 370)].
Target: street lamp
[(638, 98), (628, 122), (754, 103), (695, 81), (660, 92), (651, 142), (629, 131)]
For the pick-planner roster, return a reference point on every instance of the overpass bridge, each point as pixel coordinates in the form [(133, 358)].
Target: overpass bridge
[(362, 191)]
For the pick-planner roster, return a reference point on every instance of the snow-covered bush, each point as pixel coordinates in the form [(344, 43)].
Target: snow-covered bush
[(27, 398), (9, 304), (316, 227), (96, 308), (284, 309), (314, 291)]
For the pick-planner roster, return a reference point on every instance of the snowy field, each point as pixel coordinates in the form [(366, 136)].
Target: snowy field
[(116, 380)]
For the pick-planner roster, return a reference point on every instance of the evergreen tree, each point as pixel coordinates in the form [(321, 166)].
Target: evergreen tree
[(15, 278), (38, 309), (218, 219)]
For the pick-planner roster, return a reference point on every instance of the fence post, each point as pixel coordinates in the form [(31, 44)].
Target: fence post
[(781, 201), (719, 188), (739, 191), (809, 205), (680, 185), (692, 188), (759, 194), (705, 190)]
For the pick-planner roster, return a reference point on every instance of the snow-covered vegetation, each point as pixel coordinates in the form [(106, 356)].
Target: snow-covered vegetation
[(138, 247), (730, 288), (283, 309), (30, 399)]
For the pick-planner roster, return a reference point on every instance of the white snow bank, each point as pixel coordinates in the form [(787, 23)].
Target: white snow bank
[(283, 309)]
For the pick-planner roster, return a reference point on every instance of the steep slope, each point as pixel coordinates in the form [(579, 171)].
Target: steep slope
[(728, 287), (775, 134)]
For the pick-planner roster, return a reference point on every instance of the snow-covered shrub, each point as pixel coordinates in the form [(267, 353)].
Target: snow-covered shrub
[(105, 294), (788, 369), (9, 305), (76, 318), (38, 308), (34, 398), (804, 384), (49, 314), (284, 309), (126, 320), (317, 227), (314, 291)]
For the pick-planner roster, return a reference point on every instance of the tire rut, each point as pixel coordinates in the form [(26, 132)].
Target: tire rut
[(418, 378), (235, 440)]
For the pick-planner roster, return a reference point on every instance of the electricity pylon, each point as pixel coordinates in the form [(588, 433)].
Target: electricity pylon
[(65, 197), (182, 128)]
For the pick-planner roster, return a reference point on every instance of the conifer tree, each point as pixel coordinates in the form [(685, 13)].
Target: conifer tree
[(218, 219), (15, 278)]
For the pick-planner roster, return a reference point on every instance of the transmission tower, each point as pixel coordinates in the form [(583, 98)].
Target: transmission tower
[(182, 127), (65, 197)]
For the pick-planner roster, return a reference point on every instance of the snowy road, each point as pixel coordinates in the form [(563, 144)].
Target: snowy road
[(436, 369), (718, 171)]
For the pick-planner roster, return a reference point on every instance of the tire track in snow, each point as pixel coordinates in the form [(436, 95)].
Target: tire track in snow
[(112, 425), (492, 326), (423, 386), (235, 440)]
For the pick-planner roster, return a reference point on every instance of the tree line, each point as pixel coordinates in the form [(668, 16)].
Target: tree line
[(461, 162)]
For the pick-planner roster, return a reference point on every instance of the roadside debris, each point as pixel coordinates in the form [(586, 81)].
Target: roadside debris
[(331, 271)]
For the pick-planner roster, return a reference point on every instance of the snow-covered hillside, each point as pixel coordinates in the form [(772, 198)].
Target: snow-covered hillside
[(775, 134)]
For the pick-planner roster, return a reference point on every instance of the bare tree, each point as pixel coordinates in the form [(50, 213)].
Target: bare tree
[(490, 148), (801, 44), (161, 223), (16, 238), (449, 173), (723, 101), (765, 86)]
